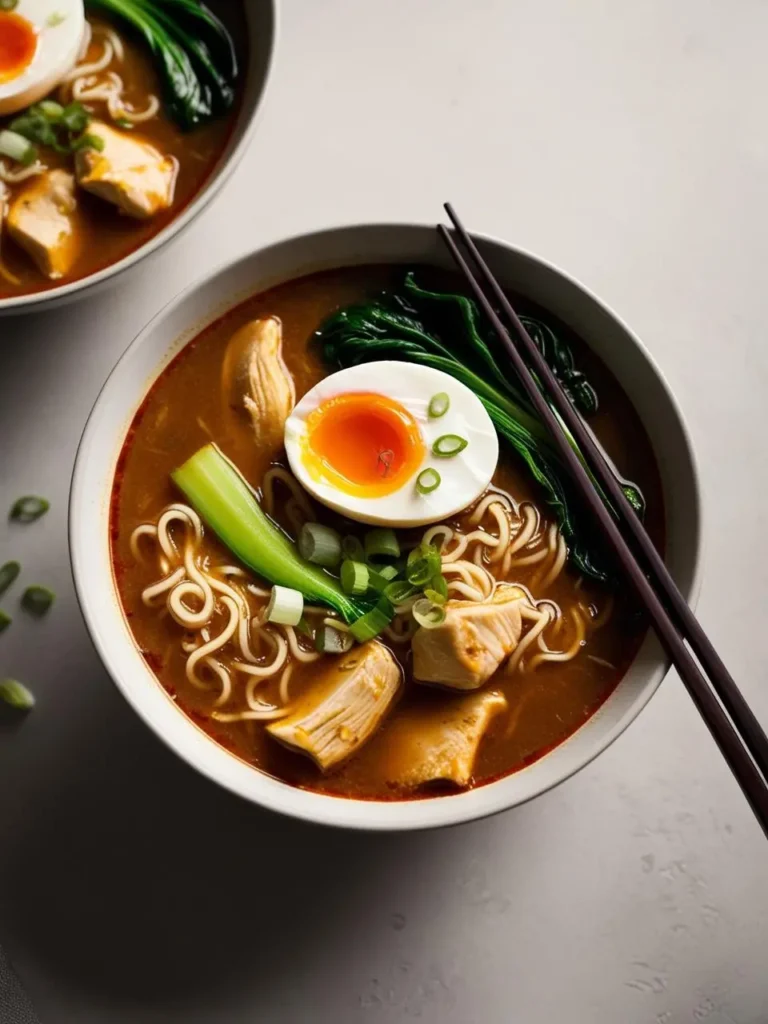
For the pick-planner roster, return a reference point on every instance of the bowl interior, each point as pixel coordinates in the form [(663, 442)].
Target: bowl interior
[(197, 307), (261, 20)]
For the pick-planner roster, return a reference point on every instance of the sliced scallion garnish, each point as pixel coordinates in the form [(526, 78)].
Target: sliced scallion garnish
[(37, 600), (428, 614), (423, 564), (439, 405), (16, 694), (399, 591), (330, 640), (15, 146), (355, 577), (371, 624), (320, 544), (382, 543), (433, 596), (352, 547), (52, 110), (448, 445), (5, 620), (28, 509), (427, 481), (286, 606), (439, 584), (8, 574)]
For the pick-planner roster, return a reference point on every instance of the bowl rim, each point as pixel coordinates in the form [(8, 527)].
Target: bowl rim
[(65, 293), (325, 809)]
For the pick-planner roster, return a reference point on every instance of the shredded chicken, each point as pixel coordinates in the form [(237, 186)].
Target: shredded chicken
[(469, 646), (439, 740), (40, 219), (255, 379), (128, 172), (341, 710)]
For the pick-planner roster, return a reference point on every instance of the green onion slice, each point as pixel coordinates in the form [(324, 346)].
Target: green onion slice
[(28, 509), (37, 600), (320, 544), (399, 591), (8, 574), (352, 547), (427, 481), (448, 445), (433, 596), (371, 624), (427, 614), (330, 640), (52, 110), (439, 405), (355, 577), (5, 620), (286, 606), (439, 585), (424, 562), (382, 543), (15, 146), (379, 579), (16, 694)]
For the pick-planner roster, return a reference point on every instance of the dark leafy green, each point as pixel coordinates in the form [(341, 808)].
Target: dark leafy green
[(192, 49), (421, 326)]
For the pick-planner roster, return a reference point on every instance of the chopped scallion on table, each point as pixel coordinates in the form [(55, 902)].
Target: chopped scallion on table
[(16, 694), (8, 574), (37, 600), (28, 509)]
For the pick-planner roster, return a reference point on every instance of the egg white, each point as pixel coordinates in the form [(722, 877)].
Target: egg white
[(464, 477), (60, 26)]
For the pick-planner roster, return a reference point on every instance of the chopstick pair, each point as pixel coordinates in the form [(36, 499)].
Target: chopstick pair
[(729, 718)]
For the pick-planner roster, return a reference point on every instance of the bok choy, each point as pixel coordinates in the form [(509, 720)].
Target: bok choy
[(443, 330), (192, 49), (225, 502)]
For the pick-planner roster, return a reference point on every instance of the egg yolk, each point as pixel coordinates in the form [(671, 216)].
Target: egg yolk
[(362, 444), (18, 43)]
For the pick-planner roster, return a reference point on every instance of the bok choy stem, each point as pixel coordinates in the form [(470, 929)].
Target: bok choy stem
[(221, 496)]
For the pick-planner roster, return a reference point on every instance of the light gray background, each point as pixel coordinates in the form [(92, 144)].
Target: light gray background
[(627, 143)]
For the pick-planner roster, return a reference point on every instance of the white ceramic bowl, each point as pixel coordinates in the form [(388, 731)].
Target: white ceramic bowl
[(261, 20), (204, 302)]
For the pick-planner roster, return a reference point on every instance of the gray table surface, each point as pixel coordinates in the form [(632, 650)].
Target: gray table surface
[(627, 143)]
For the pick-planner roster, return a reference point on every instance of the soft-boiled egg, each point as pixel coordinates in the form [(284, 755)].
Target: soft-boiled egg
[(40, 42), (361, 441)]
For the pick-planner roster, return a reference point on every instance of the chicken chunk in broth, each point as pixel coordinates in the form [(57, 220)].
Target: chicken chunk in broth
[(330, 651)]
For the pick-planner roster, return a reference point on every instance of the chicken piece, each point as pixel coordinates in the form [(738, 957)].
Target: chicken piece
[(470, 644), (439, 739), (341, 710), (41, 220), (128, 172), (256, 381)]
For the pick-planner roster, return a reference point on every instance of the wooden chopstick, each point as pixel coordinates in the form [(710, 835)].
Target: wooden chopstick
[(740, 737)]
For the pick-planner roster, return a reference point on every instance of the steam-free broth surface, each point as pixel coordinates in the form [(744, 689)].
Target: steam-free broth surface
[(184, 411)]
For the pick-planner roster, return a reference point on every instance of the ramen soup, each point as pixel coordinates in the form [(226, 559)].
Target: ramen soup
[(99, 148), (349, 570)]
